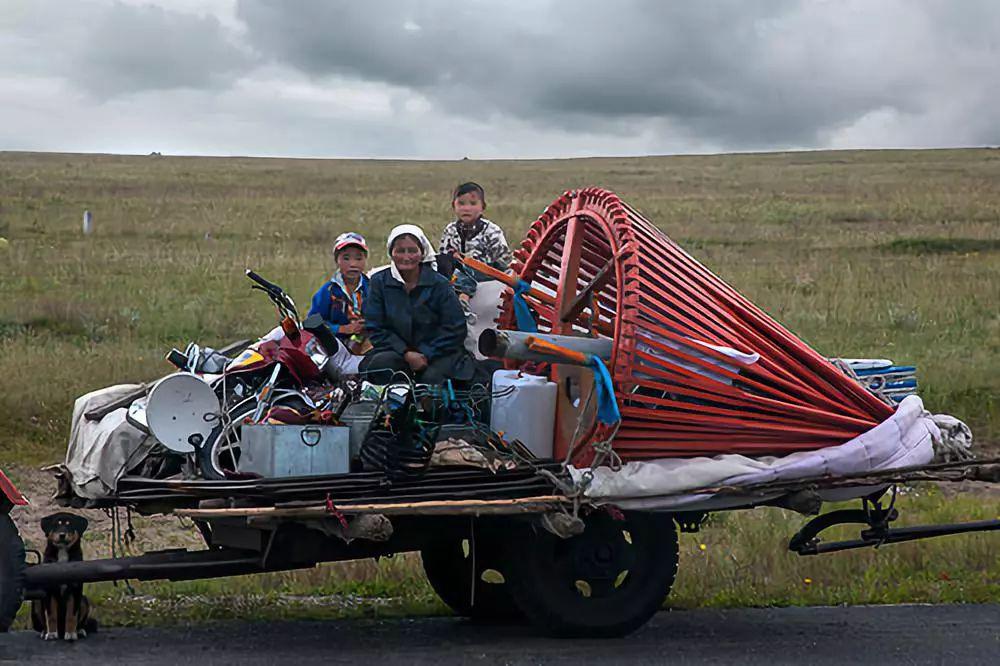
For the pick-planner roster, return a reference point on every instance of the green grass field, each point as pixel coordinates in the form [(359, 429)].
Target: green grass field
[(876, 253)]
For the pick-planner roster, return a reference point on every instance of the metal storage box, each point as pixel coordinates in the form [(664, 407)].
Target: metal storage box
[(358, 416), (291, 450)]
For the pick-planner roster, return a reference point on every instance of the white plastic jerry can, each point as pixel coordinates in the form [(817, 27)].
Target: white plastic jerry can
[(525, 410)]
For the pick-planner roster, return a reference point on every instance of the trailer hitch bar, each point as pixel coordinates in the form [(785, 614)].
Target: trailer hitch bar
[(806, 541), (174, 564)]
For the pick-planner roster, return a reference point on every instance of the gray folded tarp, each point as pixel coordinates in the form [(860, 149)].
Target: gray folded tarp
[(100, 452)]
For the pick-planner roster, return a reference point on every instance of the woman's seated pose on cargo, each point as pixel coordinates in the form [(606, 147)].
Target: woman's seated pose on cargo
[(413, 317)]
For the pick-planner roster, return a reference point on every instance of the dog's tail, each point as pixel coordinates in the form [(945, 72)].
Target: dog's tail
[(91, 625)]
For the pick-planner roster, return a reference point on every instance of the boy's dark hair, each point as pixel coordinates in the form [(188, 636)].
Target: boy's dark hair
[(468, 188)]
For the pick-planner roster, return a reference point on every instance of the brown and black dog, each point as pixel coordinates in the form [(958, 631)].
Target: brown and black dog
[(64, 612)]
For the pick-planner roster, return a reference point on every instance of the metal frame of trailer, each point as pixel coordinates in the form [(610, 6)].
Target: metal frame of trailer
[(569, 567)]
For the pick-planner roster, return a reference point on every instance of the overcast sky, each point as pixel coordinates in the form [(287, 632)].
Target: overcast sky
[(531, 78)]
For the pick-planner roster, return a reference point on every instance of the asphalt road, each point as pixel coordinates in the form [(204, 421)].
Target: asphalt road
[(875, 634)]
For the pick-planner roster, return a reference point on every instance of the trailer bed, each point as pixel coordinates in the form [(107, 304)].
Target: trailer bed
[(340, 490)]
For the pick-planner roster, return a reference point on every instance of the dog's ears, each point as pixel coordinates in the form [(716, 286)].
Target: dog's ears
[(76, 523), (48, 522)]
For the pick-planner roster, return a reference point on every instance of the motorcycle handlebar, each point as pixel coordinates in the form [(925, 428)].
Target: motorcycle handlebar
[(275, 293), (270, 286)]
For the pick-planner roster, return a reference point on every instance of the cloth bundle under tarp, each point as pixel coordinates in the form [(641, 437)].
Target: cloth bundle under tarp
[(911, 436), (101, 452)]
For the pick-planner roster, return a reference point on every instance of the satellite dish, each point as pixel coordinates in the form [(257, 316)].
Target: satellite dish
[(181, 412)]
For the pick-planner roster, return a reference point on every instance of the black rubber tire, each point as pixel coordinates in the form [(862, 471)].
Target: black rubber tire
[(12, 567), (450, 573), (578, 587)]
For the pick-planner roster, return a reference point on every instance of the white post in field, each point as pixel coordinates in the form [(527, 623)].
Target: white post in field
[(88, 223)]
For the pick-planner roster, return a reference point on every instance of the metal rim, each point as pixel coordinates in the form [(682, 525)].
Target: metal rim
[(598, 564), (231, 445)]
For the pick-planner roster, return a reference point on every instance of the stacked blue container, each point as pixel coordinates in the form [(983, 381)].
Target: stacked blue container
[(883, 377)]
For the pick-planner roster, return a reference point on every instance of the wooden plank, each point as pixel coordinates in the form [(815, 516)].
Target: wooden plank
[(524, 505)]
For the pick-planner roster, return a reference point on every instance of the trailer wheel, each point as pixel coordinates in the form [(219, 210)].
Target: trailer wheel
[(11, 571), (448, 564), (607, 582)]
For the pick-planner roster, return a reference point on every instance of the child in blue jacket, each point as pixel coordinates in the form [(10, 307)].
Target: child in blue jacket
[(340, 301)]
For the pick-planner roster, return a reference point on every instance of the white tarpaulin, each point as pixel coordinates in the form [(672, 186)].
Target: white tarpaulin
[(909, 437), (100, 452)]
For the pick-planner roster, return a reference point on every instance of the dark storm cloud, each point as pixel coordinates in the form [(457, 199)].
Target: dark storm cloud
[(131, 49), (518, 78), (747, 74)]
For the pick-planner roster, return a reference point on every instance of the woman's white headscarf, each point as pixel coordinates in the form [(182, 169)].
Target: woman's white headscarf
[(429, 257)]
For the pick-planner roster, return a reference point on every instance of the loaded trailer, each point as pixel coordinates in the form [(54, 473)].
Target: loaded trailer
[(674, 397), (567, 566)]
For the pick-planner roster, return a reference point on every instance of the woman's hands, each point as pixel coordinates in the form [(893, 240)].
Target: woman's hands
[(356, 326), (415, 360)]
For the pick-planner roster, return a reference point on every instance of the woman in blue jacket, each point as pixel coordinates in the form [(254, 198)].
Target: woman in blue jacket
[(413, 317)]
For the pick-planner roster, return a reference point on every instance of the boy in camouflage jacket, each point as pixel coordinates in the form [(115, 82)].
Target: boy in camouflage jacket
[(472, 235)]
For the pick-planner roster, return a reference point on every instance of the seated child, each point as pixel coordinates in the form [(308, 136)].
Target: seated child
[(340, 300), (472, 235)]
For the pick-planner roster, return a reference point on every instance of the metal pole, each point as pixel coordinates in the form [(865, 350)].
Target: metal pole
[(512, 345)]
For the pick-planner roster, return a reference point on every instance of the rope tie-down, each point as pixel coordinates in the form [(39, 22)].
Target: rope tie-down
[(522, 311)]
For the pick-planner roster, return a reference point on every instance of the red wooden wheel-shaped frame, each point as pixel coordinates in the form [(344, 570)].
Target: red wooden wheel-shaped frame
[(698, 369)]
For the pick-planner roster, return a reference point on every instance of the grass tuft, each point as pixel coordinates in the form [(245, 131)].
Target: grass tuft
[(942, 245)]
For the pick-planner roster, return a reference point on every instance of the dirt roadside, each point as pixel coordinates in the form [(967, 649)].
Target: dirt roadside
[(151, 532)]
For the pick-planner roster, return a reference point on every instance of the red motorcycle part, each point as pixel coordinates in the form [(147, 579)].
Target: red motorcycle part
[(11, 492), (296, 361), (285, 351)]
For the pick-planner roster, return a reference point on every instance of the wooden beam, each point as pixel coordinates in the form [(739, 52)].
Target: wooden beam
[(507, 279), (575, 308), (545, 299), (540, 504), (569, 270)]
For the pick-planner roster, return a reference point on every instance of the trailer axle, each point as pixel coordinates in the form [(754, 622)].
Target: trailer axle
[(168, 564)]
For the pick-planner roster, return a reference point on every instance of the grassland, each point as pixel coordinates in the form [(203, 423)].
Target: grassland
[(878, 253)]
